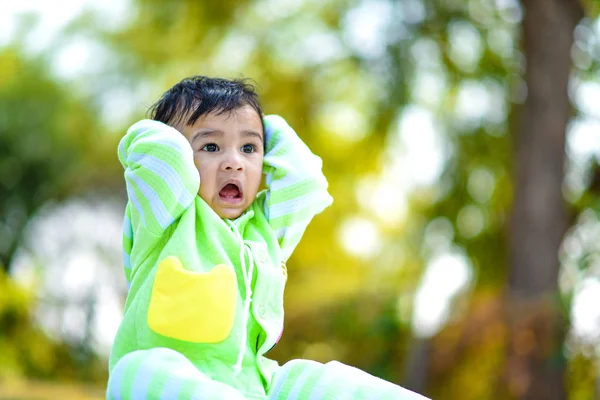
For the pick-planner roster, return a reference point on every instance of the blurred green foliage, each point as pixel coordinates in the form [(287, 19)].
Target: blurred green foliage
[(28, 351)]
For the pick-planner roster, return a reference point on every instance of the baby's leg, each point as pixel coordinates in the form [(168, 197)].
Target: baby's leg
[(310, 380), (163, 373)]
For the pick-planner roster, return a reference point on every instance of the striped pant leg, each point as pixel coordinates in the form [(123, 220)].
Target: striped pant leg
[(310, 380), (163, 374)]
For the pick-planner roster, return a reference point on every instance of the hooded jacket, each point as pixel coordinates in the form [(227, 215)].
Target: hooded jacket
[(210, 289)]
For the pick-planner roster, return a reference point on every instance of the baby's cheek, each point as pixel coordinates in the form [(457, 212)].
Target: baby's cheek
[(204, 192), (203, 182), (204, 170), (197, 161), (206, 186)]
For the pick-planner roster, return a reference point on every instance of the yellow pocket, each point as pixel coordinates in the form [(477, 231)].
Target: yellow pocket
[(192, 306)]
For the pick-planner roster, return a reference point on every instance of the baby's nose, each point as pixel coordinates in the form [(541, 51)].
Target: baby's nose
[(233, 161)]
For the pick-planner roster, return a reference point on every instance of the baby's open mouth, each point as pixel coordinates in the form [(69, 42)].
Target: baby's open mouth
[(230, 192)]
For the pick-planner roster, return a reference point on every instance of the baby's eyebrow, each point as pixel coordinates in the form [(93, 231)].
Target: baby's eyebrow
[(252, 133), (203, 134), (217, 132)]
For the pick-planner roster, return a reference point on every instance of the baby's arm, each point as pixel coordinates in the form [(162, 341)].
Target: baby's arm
[(160, 177), (297, 188)]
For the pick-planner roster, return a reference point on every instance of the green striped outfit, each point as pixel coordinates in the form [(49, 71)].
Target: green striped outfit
[(205, 299)]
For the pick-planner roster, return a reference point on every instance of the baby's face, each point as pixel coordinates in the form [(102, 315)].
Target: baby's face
[(228, 152)]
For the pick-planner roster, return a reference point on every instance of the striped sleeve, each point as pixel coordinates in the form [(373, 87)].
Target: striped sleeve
[(296, 186), (160, 175), (127, 244)]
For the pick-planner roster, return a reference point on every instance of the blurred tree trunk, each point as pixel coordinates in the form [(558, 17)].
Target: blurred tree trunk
[(417, 365), (535, 364)]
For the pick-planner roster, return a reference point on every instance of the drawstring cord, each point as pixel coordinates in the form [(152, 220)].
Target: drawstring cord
[(248, 284)]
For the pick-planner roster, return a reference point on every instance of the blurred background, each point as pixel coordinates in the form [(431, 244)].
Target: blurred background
[(461, 140)]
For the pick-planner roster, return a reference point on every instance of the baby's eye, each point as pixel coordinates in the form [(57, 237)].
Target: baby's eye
[(210, 147), (248, 148)]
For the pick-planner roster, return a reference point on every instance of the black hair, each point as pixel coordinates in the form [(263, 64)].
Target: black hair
[(197, 96)]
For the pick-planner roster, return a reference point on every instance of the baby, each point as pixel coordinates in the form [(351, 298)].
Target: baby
[(205, 253)]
